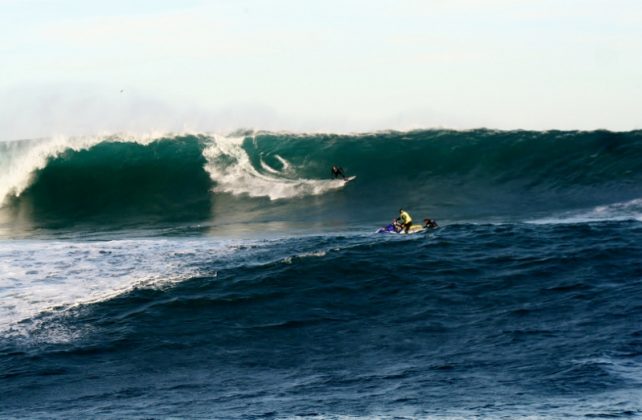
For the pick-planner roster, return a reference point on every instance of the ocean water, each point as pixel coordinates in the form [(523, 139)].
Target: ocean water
[(209, 276)]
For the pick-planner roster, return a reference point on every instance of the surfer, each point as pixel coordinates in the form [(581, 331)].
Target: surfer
[(337, 171), (404, 219), (430, 224)]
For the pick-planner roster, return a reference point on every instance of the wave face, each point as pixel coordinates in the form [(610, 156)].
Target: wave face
[(268, 177)]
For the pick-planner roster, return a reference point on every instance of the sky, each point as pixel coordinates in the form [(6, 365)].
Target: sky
[(89, 67)]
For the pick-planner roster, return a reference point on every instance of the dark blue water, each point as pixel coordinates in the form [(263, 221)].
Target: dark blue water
[(525, 314)]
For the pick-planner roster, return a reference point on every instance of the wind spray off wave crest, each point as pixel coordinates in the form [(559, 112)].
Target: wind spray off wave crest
[(20, 160), (230, 167)]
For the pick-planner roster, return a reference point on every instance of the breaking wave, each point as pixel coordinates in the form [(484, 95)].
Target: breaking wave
[(249, 176)]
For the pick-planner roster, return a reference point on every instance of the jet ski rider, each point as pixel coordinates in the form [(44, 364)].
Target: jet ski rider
[(404, 220)]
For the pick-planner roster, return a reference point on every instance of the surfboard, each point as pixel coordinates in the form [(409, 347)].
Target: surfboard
[(350, 178)]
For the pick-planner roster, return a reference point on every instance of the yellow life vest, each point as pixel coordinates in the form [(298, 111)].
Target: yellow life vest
[(405, 217)]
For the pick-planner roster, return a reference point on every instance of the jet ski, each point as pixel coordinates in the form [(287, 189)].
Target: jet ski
[(392, 228)]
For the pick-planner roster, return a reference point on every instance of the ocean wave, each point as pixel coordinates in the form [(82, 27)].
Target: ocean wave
[(554, 308), (42, 278), (266, 176)]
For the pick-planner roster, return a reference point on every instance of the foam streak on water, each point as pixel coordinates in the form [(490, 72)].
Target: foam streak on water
[(628, 210)]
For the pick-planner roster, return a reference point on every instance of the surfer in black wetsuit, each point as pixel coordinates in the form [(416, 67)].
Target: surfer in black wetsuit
[(337, 171)]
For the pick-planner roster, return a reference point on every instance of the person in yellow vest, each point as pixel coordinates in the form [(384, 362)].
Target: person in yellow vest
[(404, 220)]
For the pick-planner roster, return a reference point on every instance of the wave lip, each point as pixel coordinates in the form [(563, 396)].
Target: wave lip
[(117, 180), (21, 159)]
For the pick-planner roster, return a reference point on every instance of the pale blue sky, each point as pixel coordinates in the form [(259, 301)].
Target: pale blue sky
[(322, 65)]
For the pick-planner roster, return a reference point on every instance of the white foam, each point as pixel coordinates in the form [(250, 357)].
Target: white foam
[(41, 276), (285, 163), (21, 159), (311, 254), (286, 167), (268, 168), (627, 210), (230, 167)]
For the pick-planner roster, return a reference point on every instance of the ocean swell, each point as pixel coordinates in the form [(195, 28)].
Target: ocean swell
[(455, 175)]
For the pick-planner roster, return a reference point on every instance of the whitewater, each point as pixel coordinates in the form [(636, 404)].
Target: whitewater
[(204, 275)]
